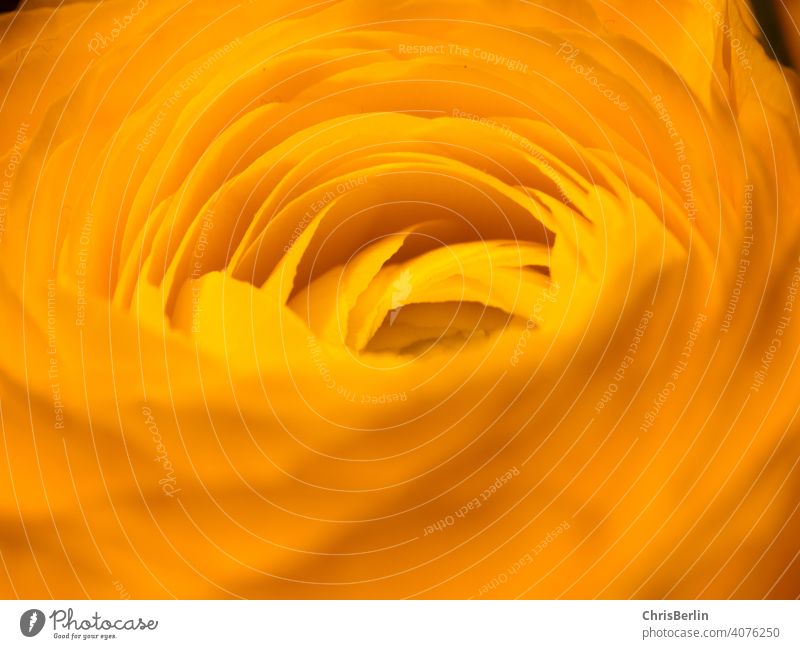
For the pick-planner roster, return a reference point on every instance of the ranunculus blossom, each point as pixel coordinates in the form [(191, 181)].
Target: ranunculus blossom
[(417, 299)]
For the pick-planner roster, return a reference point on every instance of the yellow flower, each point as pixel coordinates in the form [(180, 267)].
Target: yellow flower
[(419, 299)]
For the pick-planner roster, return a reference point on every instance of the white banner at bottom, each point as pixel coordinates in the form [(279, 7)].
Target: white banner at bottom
[(389, 624)]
